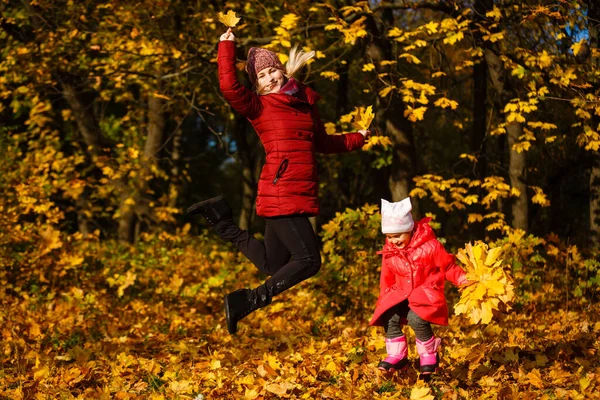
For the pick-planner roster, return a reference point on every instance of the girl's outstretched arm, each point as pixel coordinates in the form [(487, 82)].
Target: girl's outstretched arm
[(452, 271), (328, 144), (241, 98)]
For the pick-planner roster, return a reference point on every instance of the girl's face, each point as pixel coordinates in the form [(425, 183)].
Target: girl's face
[(270, 80), (400, 240)]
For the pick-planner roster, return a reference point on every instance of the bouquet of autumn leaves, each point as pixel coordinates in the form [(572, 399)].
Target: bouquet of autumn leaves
[(491, 287)]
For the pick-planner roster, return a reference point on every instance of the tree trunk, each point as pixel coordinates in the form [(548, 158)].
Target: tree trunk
[(94, 142), (594, 39), (341, 104), (517, 172), (480, 77), (175, 181), (517, 161), (133, 205), (390, 117), (249, 182), (84, 118)]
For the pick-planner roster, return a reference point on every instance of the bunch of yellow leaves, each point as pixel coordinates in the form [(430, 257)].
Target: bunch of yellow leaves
[(363, 117), (492, 286), (230, 19)]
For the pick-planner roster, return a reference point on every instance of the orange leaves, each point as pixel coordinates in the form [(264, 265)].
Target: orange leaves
[(492, 286), (165, 337)]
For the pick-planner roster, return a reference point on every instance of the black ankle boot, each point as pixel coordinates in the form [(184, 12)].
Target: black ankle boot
[(214, 210), (242, 302)]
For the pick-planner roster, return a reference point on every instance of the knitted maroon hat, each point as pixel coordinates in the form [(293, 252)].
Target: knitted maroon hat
[(259, 59)]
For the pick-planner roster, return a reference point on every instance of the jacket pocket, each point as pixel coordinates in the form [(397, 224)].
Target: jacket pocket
[(281, 170)]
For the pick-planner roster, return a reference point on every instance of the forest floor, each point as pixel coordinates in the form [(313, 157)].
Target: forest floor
[(158, 331)]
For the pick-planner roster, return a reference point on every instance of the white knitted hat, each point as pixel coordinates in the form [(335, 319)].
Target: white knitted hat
[(396, 217)]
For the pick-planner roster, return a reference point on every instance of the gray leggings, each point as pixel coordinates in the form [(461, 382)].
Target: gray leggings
[(392, 322)]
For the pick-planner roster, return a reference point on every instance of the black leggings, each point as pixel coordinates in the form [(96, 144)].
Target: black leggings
[(393, 318), (289, 253)]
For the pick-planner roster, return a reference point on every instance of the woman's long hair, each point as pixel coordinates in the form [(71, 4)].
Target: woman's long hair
[(297, 59)]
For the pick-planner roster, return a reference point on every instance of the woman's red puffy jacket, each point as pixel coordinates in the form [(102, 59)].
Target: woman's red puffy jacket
[(291, 132)]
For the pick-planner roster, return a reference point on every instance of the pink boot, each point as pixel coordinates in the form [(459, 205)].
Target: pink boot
[(397, 351), (428, 354)]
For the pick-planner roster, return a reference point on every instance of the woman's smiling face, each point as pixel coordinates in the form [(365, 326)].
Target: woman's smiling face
[(270, 80)]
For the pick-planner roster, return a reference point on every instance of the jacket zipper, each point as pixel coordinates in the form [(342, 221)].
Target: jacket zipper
[(282, 167)]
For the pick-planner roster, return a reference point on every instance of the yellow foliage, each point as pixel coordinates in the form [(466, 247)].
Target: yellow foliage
[(373, 141), (491, 286), (544, 60), (496, 14), (410, 58), (540, 197), (330, 128), (421, 393), (351, 32), (289, 21), (363, 117), (445, 103), (386, 90), (330, 75), (414, 114), (576, 47), (454, 37), (471, 157), (368, 67)]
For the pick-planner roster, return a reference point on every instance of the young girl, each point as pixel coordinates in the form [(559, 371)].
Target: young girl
[(414, 268), (283, 112)]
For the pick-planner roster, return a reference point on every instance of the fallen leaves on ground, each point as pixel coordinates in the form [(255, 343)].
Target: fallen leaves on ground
[(165, 338)]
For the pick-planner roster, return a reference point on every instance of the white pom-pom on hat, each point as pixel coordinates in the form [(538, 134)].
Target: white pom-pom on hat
[(396, 217)]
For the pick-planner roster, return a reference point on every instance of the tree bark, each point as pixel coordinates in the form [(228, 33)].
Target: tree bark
[(480, 78), (249, 181), (390, 117), (594, 39), (517, 161), (517, 173), (175, 184), (130, 214), (84, 118)]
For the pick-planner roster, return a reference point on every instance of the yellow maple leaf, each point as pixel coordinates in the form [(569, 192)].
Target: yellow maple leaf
[(289, 21), (40, 371), (373, 141), (576, 47), (421, 393), (368, 67), (445, 103), (230, 19), (276, 388), (415, 114), (251, 394), (363, 117), (181, 387), (386, 90)]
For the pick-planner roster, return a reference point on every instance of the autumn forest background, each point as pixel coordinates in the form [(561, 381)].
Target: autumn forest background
[(487, 113)]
